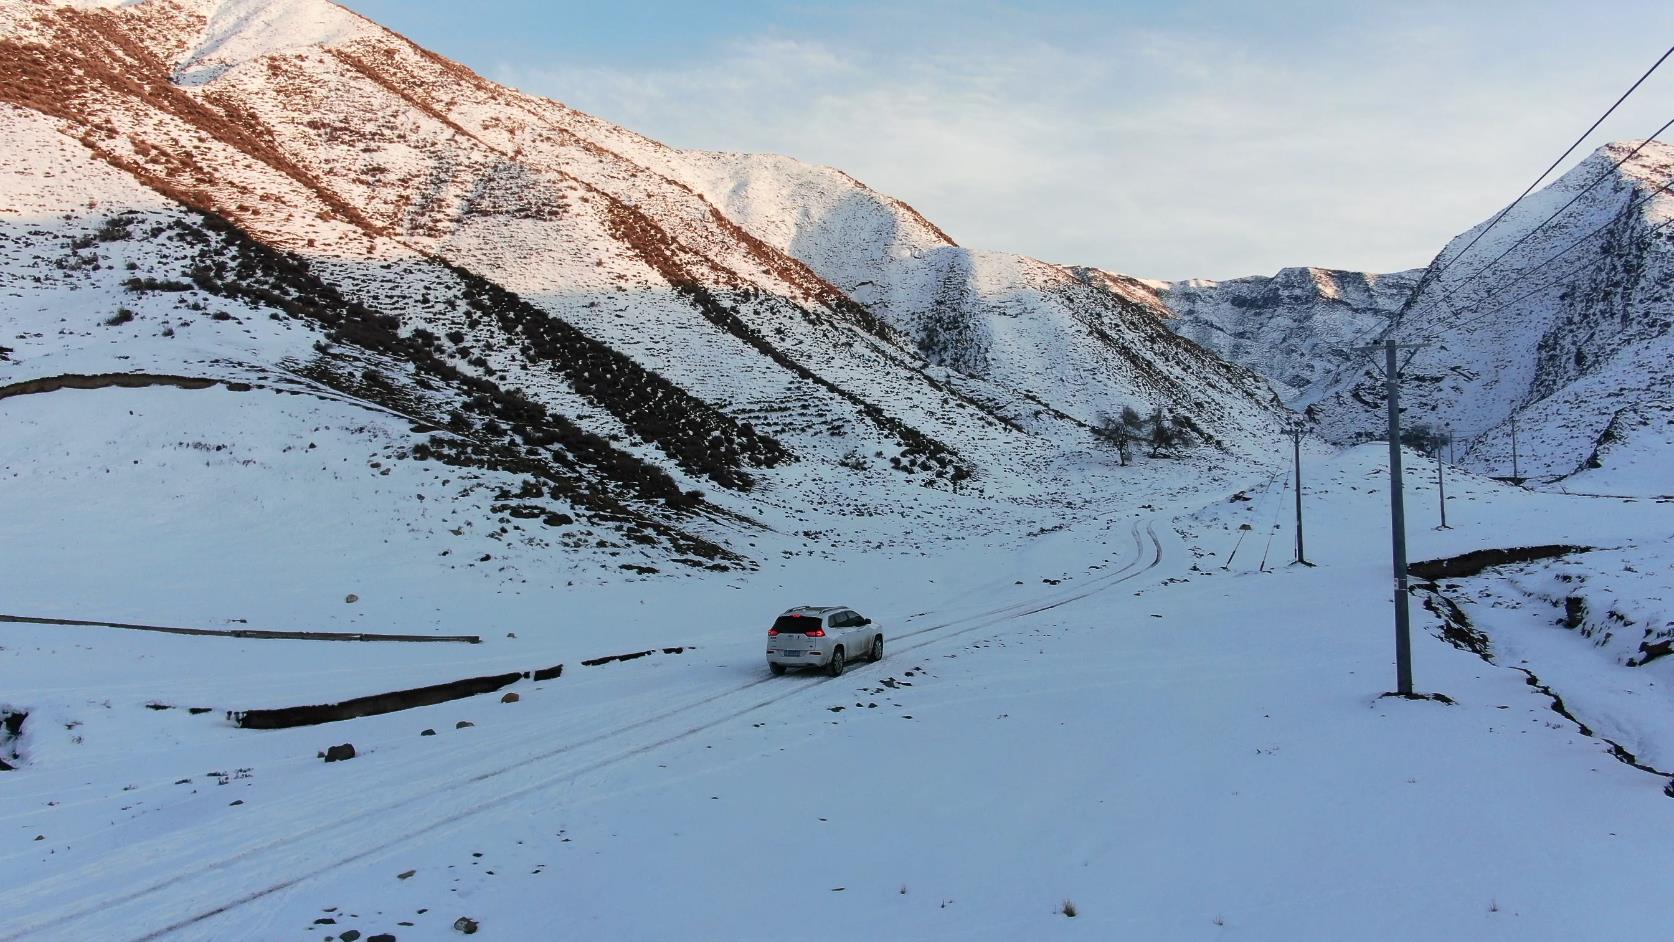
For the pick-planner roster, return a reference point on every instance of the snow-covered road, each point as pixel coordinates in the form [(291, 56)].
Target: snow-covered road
[(1179, 750), (209, 870)]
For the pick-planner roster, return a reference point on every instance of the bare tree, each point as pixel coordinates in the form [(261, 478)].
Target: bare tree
[(1121, 430), (1424, 439), (1161, 432)]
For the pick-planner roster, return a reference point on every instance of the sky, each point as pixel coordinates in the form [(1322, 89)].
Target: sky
[(1166, 140)]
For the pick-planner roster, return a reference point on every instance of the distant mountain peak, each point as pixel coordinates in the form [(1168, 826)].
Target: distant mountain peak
[(1653, 164), (240, 31)]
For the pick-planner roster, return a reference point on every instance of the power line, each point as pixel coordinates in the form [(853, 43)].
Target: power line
[(1564, 155), (1437, 266), (1556, 281), (1244, 529), (1273, 528), (1560, 211), (1478, 302), (1433, 315)]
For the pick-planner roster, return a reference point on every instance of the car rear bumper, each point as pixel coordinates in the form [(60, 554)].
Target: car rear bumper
[(810, 659)]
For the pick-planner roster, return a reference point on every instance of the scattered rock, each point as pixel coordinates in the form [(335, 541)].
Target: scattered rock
[(381, 937), (510, 698), (325, 921), (351, 598), (466, 925), (406, 875), (463, 724), (428, 732), (340, 753), (350, 935), (40, 837)]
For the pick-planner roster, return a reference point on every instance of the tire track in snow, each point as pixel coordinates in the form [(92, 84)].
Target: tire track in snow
[(1062, 596), (293, 845), (1034, 608), (1033, 605)]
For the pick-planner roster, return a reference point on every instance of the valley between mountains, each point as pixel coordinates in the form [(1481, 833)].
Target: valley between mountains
[(338, 382)]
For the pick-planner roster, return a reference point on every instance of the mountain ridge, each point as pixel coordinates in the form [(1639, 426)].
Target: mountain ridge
[(577, 321)]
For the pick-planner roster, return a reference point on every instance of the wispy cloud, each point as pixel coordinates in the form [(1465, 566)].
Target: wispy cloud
[(1160, 152)]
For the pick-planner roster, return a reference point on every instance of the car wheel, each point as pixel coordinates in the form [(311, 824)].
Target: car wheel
[(776, 668), (877, 648), (835, 666)]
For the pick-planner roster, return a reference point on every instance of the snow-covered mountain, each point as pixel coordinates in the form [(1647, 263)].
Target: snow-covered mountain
[(1565, 326), (644, 354), (641, 353), (1559, 316), (1297, 327), (1513, 336)]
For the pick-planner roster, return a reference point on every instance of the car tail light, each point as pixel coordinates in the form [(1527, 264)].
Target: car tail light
[(773, 632), (816, 633)]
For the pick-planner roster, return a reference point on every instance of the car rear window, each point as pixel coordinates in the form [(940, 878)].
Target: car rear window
[(796, 624)]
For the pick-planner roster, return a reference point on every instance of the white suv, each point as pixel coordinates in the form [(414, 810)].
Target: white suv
[(821, 636)]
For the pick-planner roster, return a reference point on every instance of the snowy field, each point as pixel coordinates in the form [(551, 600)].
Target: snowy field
[(1107, 718)]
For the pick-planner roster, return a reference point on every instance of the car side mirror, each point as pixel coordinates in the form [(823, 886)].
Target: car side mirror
[(866, 621)]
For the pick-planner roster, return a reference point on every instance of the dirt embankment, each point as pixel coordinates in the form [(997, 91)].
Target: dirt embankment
[(1469, 564), (380, 703), (376, 704), (1458, 630), (249, 633), (107, 380), (11, 730)]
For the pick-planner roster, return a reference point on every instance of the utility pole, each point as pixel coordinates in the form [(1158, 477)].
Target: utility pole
[(1441, 483), (1516, 476), (1397, 511), (1297, 430)]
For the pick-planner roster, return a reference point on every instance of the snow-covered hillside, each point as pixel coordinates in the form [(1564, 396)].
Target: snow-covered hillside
[(1561, 315), (538, 292), (1021, 334), (278, 280), (1564, 326), (1530, 334)]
